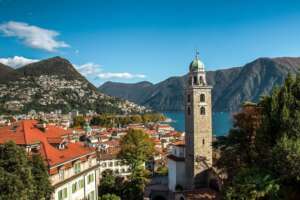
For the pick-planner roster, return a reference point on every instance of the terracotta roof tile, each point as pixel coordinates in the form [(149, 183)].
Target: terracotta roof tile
[(26, 133)]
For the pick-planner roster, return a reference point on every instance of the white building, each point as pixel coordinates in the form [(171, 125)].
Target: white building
[(108, 161), (176, 166)]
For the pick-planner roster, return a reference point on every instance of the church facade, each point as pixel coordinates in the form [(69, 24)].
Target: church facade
[(190, 161)]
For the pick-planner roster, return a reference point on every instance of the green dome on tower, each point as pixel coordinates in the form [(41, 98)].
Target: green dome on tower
[(197, 64)]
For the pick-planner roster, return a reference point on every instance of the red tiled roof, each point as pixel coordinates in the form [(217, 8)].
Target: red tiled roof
[(26, 133)]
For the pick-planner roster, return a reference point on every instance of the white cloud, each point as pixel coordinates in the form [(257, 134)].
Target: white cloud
[(88, 69), (17, 61), (33, 36), (122, 75), (93, 70)]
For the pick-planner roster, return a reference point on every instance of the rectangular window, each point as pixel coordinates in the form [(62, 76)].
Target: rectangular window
[(77, 168), (90, 178), (74, 187), (91, 195), (81, 183), (60, 195), (188, 98), (65, 193), (61, 174)]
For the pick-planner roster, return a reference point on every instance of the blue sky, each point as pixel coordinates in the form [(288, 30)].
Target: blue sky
[(130, 41)]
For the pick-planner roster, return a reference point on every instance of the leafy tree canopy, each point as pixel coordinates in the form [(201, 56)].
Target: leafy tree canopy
[(20, 177), (261, 154)]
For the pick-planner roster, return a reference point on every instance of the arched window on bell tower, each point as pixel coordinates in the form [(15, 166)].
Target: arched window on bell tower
[(201, 80), (195, 80), (189, 110), (202, 97), (188, 98), (202, 110)]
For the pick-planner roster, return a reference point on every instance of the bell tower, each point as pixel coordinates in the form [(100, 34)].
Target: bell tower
[(198, 126)]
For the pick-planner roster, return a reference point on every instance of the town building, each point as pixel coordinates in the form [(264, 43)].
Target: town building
[(72, 166), (109, 162)]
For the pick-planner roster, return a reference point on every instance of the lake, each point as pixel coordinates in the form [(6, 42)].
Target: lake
[(222, 121)]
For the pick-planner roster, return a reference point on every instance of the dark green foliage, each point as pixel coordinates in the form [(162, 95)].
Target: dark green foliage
[(286, 159), (78, 121), (109, 197), (136, 148), (108, 184), (16, 169), (162, 171), (115, 120), (21, 178), (252, 184), (262, 153), (43, 188)]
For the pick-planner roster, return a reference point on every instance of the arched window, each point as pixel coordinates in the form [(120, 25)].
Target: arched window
[(202, 98), (203, 141), (188, 110), (195, 80), (189, 98), (201, 80), (202, 111)]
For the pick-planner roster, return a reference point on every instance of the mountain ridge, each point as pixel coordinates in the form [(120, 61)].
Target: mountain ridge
[(54, 84), (232, 86)]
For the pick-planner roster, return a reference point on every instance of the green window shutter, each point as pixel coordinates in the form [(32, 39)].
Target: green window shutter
[(74, 188), (60, 195), (65, 192), (81, 183)]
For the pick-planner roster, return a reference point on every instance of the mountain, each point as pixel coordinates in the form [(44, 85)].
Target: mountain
[(231, 86), (7, 73), (132, 92), (54, 84)]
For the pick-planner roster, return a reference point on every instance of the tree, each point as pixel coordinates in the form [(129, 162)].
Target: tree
[(136, 148), (107, 183), (43, 188), (286, 159), (20, 177), (109, 197), (78, 121), (252, 184), (238, 148), (267, 144), (134, 187), (16, 181)]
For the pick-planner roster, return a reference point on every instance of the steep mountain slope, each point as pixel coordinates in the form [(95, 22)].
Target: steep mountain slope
[(231, 86), (133, 92), (7, 73), (54, 84)]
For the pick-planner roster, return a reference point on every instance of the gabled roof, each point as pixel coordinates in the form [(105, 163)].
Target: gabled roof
[(26, 133)]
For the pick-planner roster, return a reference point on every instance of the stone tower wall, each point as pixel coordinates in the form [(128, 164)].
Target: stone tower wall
[(198, 127)]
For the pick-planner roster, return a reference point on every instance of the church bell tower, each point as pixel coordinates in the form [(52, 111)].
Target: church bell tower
[(198, 126)]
